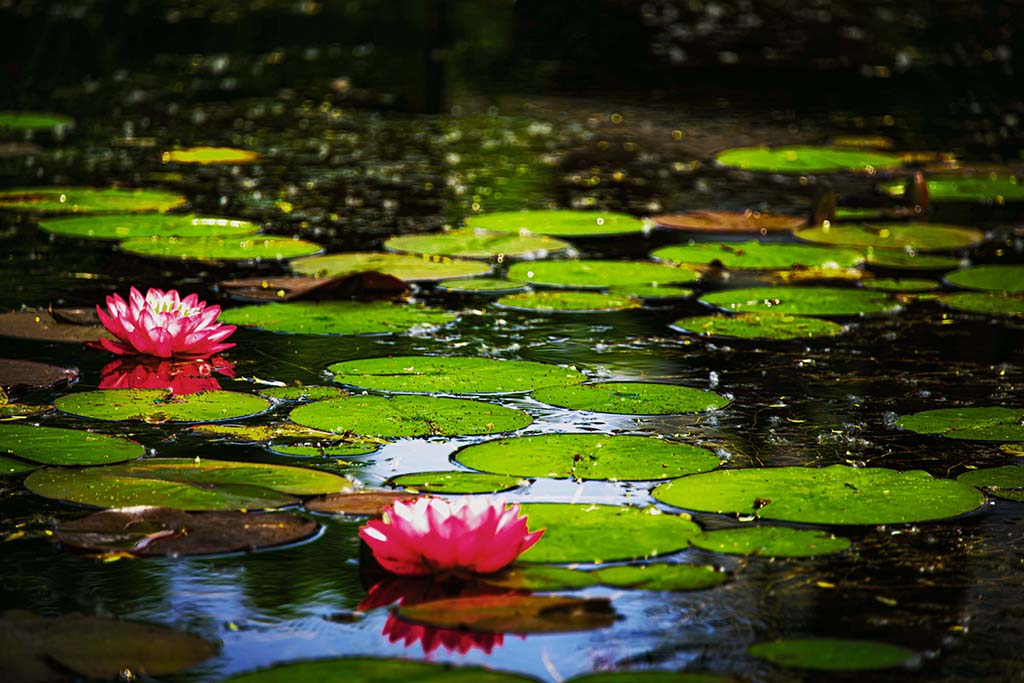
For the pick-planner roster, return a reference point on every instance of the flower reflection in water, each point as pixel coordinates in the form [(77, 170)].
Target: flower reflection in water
[(178, 376)]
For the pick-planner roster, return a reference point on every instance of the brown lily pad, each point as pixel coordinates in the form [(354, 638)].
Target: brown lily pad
[(42, 326), (145, 531), (738, 222), (364, 286), (36, 649), (18, 374), (76, 316), (369, 503), (514, 613)]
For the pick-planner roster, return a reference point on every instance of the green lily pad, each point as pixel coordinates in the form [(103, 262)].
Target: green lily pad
[(33, 120), (15, 410), (456, 482), (834, 654), (1004, 482), (451, 375), (481, 285), (650, 676), (599, 274), (771, 541), (374, 670), (56, 446), (807, 159), (652, 292), (759, 255), (774, 326), (569, 302), (731, 222), (661, 577), (986, 303), (258, 247), (209, 155), (185, 484), (512, 612), (264, 433), (538, 577), (477, 244), (997, 189), (993, 278), (900, 285), (13, 466), (336, 317), (559, 223), (132, 225), (87, 200), (405, 267), (632, 398), (588, 456), (342, 450), (158, 406), (803, 300), (408, 416), (604, 533), (897, 236), (823, 495), (301, 393), (991, 423), (910, 260)]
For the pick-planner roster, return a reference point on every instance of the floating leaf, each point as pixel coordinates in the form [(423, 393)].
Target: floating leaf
[(263, 433), (807, 159), (49, 650), (362, 286), (512, 613), (604, 533), (538, 577), (731, 222), (451, 374), (632, 398), (56, 446), (834, 654), (900, 285), (402, 266), (148, 531), (1005, 482), (87, 200), (259, 247), (559, 223), (19, 375), (481, 285), (184, 484), (661, 577), (456, 482), (652, 292), (13, 466), (910, 260), (337, 317), (898, 236), (991, 423), (995, 278), (823, 495), (987, 303), (569, 302), (588, 456), (803, 300), (329, 450), (42, 326), (478, 244), (209, 155), (759, 255), (364, 503), (373, 670), (957, 188), (301, 393), (407, 416), (863, 141), (599, 274), (134, 225), (33, 120), (14, 410), (771, 541), (774, 326), (157, 405)]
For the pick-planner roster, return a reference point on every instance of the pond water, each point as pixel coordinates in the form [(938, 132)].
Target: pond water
[(342, 167)]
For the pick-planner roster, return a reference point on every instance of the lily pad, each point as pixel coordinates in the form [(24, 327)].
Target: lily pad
[(42, 326), (245, 248), (957, 188), (13, 466), (759, 255), (986, 303), (478, 244), (33, 120), (910, 260), (823, 495), (559, 223), (538, 577), (263, 433), (765, 326), (834, 654), (604, 533), (900, 285), (402, 266), (149, 531), (599, 274), (588, 456), (807, 159), (56, 446), (159, 406), (408, 416), (301, 393), (661, 577), (209, 155), (15, 410), (329, 450), (451, 375), (993, 278), (337, 317), (184, 484), (899, 236), (1004, 482), (363, 503), (481, 285), (456, 482), (569, 302), (803, 301), (652, 292), (632, 398), (731, 222), (991, 423), (87, 200), (862, 141), (374, 670), (18, 375), (368, 286), (771, 541), (512, 613), (127, 226), (50, 649)]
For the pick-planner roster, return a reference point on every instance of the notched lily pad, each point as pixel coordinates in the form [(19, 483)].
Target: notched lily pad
[(87, 200), (512, 613), (149, 531), (1003, 482), (771, 541), (245, 248), (826, 301), (42, 326), (158, 406), (807, 159), (632, 398), (209, 155), (897, 236), (375, 670), (337, 317), (583, 274), (405, 267), (569, 302), (661, 577), (559, 223), (57, 446), (985, 303), (362, 503), (834, 654), (478, 244), (731, 222), (762, 326), (990, 423), (456, 482), (993, 278), (18, 375), (134, 225), (759, 255)]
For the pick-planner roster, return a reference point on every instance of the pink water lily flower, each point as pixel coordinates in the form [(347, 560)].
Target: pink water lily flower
[(433, 536), (163, 325)]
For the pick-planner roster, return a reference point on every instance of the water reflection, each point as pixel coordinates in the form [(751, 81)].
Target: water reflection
[(179, 376)]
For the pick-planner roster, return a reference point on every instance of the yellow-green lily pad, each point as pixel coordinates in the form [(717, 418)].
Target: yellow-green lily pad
[(135, 225), (57, 446), (456, 482), (478, 244), (993, 278), (582, 274), (834, 654), (632, 398), (900, 284), (989, 423), (898, 236), (661, 577), (996, 189), (771, 541), (301, 393), (216, 248), (87, 200), (158, 406), (209, 155), (824, 301), (759, 255), (33, 121), (407, 267), (765, 326), (807, 159), (559, 223), (910, 260), (1003, 482), (337, 317), (481, 285), (569, 302), (985, 303)]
